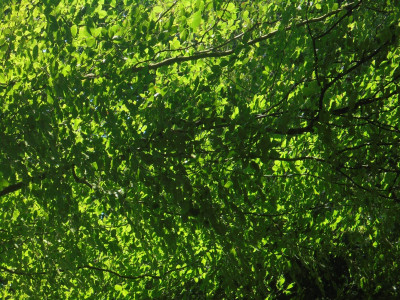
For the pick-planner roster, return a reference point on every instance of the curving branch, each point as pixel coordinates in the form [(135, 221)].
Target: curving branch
[(19, 185), (12, 188), (210, 53), (118, 274), (78, 179), (90, 267)]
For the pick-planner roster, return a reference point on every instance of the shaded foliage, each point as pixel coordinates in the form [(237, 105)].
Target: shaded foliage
[(199, 149)]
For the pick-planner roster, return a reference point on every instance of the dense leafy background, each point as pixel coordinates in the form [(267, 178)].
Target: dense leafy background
[(199, 149)]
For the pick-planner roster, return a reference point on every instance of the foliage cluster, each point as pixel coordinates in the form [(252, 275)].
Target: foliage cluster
[(199, 149)]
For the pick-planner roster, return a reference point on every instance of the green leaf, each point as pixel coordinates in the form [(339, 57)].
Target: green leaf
[(3, 182), (74, 30), (95, 31), (228, 184), (231, 7), (50, 99), (102, 14), (90, 41), (35, 52), (195, 20), (84, 32)]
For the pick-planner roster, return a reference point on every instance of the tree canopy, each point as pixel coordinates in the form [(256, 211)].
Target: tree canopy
[(199, 149)]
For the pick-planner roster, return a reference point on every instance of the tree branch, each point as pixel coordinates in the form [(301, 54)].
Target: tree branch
[(209, 53), (80, 180), (17, 186), (12, 188), (24, 273)]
